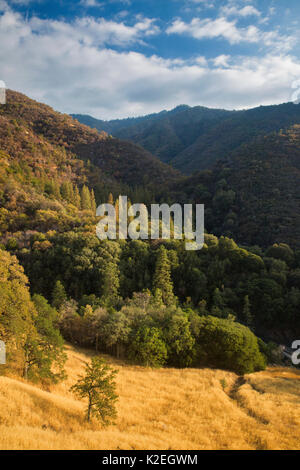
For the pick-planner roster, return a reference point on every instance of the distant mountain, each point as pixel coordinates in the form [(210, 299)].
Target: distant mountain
[(165, 134), (228, 135), (254, 194), (193, 139), (115, 125)]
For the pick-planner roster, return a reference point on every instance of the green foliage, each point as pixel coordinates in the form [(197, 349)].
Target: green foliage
[(59, 295), (48, 346), (29, 329), (111, 282), (86, 203), (49, 223), (216, 279), (180, 341), (148, 348), (162, 277), (99, 387), (228, 345), (223, 383), (16, 310), (247, 315), (114, 331)]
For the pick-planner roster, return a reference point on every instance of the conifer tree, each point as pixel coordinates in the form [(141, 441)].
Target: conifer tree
[(85, 198), (110, 284), (110, 199), (64, 191), (162, 277), (247, 315), (77, 198), (117, 209), (59, 295), (93, 202), (218, 304), (130, 217), (71, 193), (56, 189), (67, 191)]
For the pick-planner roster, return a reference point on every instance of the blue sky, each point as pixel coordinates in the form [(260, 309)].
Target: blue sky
[(119, 58)]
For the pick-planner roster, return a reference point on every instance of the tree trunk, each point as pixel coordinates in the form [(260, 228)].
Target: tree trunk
[(89, 411), (25, 369)]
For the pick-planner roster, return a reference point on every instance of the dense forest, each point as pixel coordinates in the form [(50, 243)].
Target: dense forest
[(151, 302), (252, 196), (193, 139)]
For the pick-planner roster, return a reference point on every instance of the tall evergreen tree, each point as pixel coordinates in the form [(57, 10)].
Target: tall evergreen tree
[(247, 315), (93, 202), (85, 198), (64, 191), (218, 304), (110, 284), (110, 199), (162, 277), (59, 295), (77, 198)]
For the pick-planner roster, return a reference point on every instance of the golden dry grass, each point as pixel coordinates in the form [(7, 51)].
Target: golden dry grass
[(157, 409)]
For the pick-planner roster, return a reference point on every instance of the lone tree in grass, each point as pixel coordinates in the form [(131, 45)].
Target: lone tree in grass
[(98, 385)]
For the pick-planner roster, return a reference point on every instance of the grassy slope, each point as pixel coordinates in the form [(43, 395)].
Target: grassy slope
[(158, 409)]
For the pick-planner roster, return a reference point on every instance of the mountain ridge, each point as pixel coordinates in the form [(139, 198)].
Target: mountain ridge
[(195, 138)]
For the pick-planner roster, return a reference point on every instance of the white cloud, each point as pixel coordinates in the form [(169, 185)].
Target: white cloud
[(233, 10), (223, 28), (91, 3), (96, 32), (222, 60), (70, 67), (99, 3)]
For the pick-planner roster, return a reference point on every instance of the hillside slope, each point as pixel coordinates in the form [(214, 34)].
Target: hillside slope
[(46, 159), (157, 409), (193, 139), (240, 128), (119, 160), (254, 194), (165, 134)]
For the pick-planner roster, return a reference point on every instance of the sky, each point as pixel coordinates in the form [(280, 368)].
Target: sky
[(122, 58)]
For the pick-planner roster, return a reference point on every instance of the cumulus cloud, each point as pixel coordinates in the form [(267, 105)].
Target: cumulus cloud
[(221, 27), (233, 10), (95, 32), (73, 67)]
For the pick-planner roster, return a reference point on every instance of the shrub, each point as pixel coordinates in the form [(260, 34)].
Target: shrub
[(148, 348), (228, 345)]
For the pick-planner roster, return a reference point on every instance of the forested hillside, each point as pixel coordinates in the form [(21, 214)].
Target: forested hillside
[(253, 195), (119, 160), (165, 134), (149, 302), (47, 159), (193, 139)]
